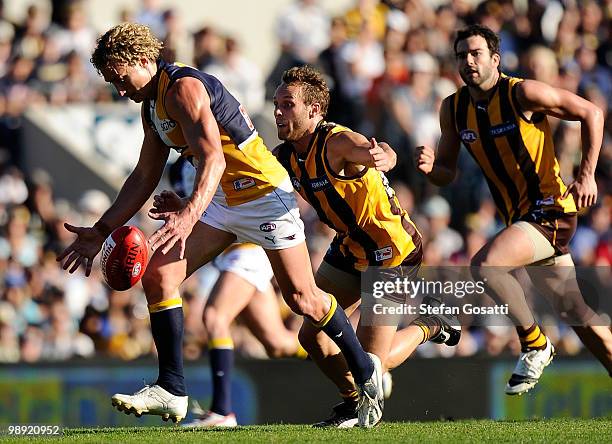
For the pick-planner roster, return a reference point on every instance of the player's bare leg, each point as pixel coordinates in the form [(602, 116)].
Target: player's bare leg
[(292, 269), (510, 249), (229, 296), (329, 358), (598, 339), (405, 342), (557, 282), (262, 316), (383, 340), (165, 272), (233, 295)]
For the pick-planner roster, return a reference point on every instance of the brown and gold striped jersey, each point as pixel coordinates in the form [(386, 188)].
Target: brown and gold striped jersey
[(371, 228), (516, 154)]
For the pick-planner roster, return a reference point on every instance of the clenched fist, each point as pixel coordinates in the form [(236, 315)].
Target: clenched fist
[(424, 158)]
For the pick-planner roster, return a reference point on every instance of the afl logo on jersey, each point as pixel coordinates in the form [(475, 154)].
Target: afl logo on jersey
[(296, 183), (468, 136)]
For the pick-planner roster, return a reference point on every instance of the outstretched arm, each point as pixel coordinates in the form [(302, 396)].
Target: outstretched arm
[(534, 96), (133, 194), (352, 147)]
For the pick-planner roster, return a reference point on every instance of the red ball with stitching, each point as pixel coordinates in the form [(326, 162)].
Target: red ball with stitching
[(124, 257)]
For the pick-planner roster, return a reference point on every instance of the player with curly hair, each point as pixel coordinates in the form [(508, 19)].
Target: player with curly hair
[(241, 193)]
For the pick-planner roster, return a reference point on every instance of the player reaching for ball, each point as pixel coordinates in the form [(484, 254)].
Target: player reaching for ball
[(241, 193), (242, 288)]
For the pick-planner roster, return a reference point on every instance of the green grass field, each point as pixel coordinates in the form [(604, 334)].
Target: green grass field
[(558, 430)]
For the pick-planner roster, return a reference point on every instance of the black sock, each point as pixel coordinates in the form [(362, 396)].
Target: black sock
[(167, 329), (337, 326), (221, 364)]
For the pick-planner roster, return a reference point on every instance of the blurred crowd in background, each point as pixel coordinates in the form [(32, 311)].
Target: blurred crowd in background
[(389, 65)]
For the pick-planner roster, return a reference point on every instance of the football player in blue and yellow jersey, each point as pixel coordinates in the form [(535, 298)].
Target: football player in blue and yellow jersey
[(502, 122), (240, 193), (242, 288), (340, 173)]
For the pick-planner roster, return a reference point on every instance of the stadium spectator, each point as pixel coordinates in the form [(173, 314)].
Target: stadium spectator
[(303, 33), (241, 77), (331, 65), (178, 41), (74, 33), (151, 15), (29, 37), (592, 241), (367, 13), (20, 244), (415, 104), (207, 47), (592, 72), (364, 61), (303, 30), (442, 240)]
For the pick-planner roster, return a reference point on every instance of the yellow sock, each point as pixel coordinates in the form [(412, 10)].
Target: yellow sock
[(166, 305), (332, 309), (300, 353), (350, 395), (224, 343)]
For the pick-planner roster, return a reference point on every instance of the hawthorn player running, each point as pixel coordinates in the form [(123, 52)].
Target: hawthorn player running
[(339, 172), (502, 123)]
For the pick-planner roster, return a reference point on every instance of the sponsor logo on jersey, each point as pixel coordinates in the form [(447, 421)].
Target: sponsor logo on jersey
[(244, 183), (383, 254), (246, 117), (267, 227), (548, 201), (502, 129), (271, 239), (296, 183), (319, 183), (290, 237), (468, 136)]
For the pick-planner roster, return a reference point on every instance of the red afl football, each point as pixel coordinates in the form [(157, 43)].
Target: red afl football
[(124, 257)]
